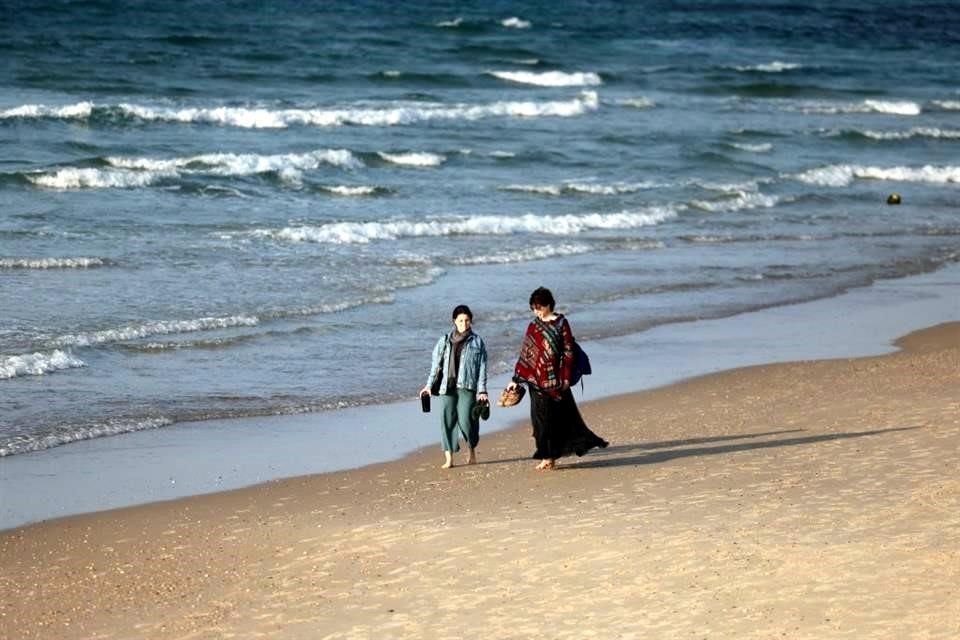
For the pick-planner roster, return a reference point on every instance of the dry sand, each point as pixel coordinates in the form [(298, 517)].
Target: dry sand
[(808, 500)]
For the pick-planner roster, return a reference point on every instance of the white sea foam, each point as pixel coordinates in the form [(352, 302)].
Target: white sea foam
[(514, 22), (579, 188), (915, 132), (550, 78), (413, 159), (753, 148), (241, 164), (392, 114), (51, 263), (843, 175), (638, 103), (892, 107), (73, 178), (526, 255), (351, 190), (728, 187), (771, 67), (947, 105), (163, 327), (363, 232), (336, 307), (740, 201), (37, 364), (132, 172), (450, 24), (79, 110), (65, 435)]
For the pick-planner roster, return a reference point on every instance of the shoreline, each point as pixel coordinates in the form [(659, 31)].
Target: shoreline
[(811, 499), (179, 461)]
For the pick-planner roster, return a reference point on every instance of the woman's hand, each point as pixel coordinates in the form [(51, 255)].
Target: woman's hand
[(513, 385), (483, 397), (425, 390)]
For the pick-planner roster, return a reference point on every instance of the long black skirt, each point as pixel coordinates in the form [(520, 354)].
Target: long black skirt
[(558, 428)]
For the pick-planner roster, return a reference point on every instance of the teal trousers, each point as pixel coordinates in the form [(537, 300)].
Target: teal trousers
[(456, 419)]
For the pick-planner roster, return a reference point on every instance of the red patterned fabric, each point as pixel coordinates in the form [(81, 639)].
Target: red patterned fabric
[(546, 355)]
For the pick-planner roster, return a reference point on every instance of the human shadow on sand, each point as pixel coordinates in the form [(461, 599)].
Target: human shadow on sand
[(666, 444), (669, 444), (673, 454)]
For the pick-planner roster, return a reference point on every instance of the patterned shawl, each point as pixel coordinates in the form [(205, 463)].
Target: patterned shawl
[(546, 355)]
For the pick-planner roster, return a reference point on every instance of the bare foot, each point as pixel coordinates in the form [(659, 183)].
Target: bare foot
[(449, 460), (472, 457), (446, 465), (546, 465)]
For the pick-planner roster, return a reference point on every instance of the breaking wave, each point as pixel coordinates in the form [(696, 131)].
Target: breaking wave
[(25, 443), (166, 327), (266, 118), (771, 67), (363, 232), (515, 23), (579, 188), (37, 364), (413, 159), (526, 255), (892, 107), (51, 263), (550, 78), (843, 175)]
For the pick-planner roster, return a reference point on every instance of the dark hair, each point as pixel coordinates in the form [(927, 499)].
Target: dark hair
[(542, 297), (461, 308)]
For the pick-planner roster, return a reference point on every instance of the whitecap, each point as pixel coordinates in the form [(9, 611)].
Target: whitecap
[(51, 263), (78, 111), (891, 107), (771, 67), (947, 105), (450, 24), (146, 329), (638, 103), (915, 132), (241, 164), (550, 78), (753, 148), (266, 118), (413, 159), (843, 175), (525, 255), (572, 187), (514, 22), (74, 178), (394, 115), (364, 232), (37, 364), (740, 201), (351, 190)]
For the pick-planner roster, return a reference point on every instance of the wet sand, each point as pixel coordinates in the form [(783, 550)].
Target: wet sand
[(802, 500)]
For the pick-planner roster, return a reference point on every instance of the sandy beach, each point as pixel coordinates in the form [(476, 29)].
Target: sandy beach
[(802, 500)]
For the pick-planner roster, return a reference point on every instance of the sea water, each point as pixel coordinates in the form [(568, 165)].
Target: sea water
[(217, 210)]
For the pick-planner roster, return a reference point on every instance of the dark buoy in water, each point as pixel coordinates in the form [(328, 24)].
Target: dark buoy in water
[(893, 198)]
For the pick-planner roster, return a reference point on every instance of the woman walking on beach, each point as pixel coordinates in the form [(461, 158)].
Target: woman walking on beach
[(545, 364), (458, 374)]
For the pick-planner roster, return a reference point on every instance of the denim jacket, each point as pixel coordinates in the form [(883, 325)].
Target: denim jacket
[(473, 364)]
